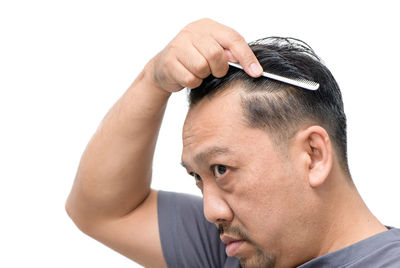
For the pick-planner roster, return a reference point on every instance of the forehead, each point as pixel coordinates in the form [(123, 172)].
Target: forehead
[(211, 117), (216, 127)]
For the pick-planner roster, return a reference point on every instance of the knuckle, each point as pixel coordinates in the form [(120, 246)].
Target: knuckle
[(195, 83), (238, 43), (191, 81), (170, 50), (202, 69), (186, 30), (236, 38), (187, 79), (169, 62), (215, 53), (247, 60), (199, 24), (187, 33), (203, 20), (222, 71)]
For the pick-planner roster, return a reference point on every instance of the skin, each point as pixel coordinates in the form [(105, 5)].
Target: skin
[(111, 199), (268, 195)]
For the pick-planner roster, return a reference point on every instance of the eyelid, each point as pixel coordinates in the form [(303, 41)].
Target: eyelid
[(196, 176), (213, 170)]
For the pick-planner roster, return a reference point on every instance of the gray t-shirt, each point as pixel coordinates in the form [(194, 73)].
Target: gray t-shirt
[(189, 240)]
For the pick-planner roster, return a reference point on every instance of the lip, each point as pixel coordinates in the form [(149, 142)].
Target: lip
[(232, 244)]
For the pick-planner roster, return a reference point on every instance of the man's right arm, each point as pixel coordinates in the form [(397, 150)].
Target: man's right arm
[(111, 199)]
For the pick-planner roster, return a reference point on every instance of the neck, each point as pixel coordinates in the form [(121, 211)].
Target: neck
[(350, 220)]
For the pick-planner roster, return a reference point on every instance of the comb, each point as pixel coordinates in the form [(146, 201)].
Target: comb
[(298, 82)]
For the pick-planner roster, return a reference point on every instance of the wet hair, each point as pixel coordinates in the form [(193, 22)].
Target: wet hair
[(279, 108)]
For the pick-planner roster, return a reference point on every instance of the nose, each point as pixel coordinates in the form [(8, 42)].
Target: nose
[(216, 209)]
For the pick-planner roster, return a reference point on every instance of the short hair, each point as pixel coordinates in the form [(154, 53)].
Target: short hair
[(279, 108)]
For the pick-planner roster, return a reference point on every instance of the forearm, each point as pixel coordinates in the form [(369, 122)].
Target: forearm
[(114, 174)]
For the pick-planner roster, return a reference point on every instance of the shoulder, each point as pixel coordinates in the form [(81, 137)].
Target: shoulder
[(389, 253), (382, 250)]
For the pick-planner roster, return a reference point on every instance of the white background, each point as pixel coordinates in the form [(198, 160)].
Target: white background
[(64, 63)]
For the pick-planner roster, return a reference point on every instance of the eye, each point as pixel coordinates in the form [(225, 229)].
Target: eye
[(219, 170), (197, 177)]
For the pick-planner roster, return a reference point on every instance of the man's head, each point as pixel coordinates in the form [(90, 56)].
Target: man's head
[(261, 152), (281, 108)]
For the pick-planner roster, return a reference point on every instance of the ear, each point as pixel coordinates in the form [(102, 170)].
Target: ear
[(315, 144)]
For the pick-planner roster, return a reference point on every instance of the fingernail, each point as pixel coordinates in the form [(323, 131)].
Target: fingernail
[(255, 69)]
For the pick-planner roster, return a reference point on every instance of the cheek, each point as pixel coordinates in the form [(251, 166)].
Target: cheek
[(263, 202), (258, 196)]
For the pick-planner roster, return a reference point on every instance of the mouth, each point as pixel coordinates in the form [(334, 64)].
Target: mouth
[(232, 244)]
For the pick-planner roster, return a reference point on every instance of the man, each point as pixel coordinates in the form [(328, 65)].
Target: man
[(270, 159)]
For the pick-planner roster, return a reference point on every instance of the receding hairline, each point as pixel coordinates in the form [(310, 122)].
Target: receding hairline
[(283, 134), (248, 91), (290, 58)]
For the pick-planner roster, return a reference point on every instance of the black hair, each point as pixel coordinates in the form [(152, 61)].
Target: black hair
[(281, 108)]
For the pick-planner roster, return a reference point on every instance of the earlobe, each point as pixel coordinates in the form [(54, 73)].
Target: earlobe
[(321, 155)]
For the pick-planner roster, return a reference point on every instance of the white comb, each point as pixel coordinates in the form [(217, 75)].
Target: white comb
[(303, 83)]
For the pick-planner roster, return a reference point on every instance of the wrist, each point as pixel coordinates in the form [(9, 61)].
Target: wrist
[(148, 77)]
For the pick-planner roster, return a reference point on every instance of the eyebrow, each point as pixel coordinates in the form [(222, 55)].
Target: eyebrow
[(207, 154)]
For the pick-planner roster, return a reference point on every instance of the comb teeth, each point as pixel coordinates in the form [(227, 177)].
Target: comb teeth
[(303, 83)]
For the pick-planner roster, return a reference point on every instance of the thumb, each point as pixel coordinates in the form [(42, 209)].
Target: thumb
[(230, 56)]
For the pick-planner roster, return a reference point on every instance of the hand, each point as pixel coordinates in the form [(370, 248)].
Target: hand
[(202, 48)]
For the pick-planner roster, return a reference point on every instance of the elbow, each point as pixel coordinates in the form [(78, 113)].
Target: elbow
[(69, 210), (77, 217)]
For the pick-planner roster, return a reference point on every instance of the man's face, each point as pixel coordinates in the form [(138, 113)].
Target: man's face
[(251, 190)]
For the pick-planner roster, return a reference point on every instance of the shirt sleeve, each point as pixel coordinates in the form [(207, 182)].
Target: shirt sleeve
[(187, 238)]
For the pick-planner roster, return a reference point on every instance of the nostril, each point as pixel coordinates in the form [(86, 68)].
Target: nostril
[(216, 209), (220, 229)]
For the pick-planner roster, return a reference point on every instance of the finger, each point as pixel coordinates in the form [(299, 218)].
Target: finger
[(235, 43), (230, 56), (184, 76), (214, 54), (193, 61)]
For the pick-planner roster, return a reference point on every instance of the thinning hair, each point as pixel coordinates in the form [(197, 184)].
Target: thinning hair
[(279, 108)]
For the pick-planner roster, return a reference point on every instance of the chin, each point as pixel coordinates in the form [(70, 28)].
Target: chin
[(261, 260)]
